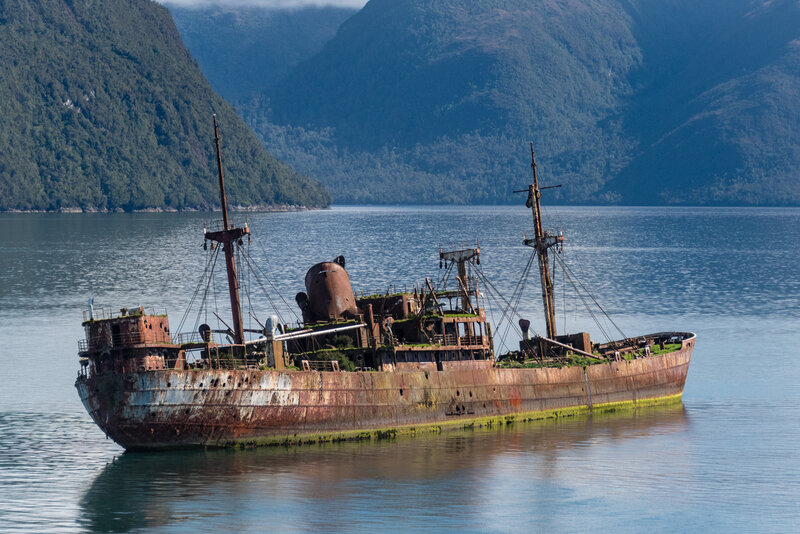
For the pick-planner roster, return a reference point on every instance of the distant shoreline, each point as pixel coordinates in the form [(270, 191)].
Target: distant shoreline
[(259, 208), (290, 208)]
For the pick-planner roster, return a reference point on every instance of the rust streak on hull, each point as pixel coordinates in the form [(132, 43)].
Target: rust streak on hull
[(163, 409)]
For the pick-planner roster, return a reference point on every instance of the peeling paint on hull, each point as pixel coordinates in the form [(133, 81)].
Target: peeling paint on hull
[(213, 408)]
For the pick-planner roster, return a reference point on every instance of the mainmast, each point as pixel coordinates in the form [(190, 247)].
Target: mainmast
[(542, 242), (228, 237)]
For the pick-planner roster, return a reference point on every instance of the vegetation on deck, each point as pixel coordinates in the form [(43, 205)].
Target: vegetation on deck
[(519, 360)]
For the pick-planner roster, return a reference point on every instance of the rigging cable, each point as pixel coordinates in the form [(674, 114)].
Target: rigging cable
[(247, 285), (595, 301), (210, 283), (196, 291), (564, 295), (502, 338), (446, 276), (516, 295), (269, 281), (508, 310), (586, 305), (202, 305), (247, 259), (490, 311), (216, 304)]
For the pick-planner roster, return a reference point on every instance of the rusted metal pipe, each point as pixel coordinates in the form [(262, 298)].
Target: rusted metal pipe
[(306, 333), (300, 335), (433, 294), (570, 347)]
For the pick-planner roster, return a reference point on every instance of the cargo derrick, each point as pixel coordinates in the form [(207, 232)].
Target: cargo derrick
[(420, 329)]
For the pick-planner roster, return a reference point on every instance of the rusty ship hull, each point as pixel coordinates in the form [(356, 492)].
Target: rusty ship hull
[(164, 409)]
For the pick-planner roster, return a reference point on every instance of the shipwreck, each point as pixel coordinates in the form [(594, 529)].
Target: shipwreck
[(358, 366)]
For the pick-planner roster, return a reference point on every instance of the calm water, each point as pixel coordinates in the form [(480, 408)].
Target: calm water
[(727, 459)]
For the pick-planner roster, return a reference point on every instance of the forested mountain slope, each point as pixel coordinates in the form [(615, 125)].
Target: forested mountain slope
[(447, 93), (717, 119), (633, 101), (104, 108)]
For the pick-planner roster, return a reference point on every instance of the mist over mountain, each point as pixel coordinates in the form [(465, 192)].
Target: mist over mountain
[(632, 101), (266, 4), (242, 50), (104, 108)]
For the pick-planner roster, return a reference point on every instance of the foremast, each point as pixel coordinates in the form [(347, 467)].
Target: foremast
[(542, 242), (228, 237)]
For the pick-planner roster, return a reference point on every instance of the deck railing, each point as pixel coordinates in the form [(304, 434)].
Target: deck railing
[(471, 340), (222, 362), (123, 339), (98, 313), (320, 365), (217, 225), (195, 337), (444, 339)]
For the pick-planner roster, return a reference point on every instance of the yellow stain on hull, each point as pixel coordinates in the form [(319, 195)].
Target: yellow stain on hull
[(452, 425)]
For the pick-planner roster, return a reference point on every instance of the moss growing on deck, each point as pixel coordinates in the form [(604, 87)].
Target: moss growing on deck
[(669, 347)]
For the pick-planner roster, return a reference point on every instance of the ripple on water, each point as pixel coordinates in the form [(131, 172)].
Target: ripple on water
[(726, 461), (46, 460)]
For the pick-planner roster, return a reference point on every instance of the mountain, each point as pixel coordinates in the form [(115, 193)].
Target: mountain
[(408, 71), (630, 101), (717, 119), (245, 49), (455, 89), (104, 108)]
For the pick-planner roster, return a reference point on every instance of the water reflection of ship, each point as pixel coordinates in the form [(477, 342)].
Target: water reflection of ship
[(138, 491)]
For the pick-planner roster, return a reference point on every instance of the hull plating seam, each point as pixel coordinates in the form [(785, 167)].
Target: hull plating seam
[(434, 428), (166, 409)]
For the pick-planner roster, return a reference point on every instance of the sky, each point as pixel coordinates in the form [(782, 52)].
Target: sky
[(265, 3)]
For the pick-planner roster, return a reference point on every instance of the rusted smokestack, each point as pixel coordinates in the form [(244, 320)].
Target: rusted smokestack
[(330, 295)]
